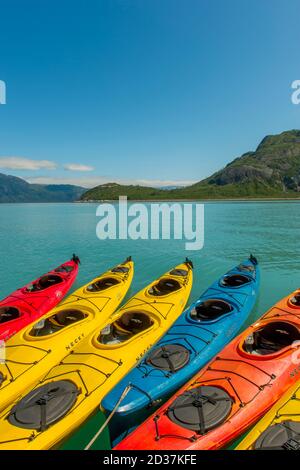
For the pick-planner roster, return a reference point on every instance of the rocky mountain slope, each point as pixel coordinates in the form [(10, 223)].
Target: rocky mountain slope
[(271, 171)]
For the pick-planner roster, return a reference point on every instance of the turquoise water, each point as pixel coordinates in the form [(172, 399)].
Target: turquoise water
[(36, 237)]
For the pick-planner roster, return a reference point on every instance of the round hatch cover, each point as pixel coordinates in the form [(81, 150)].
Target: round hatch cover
[(44, 406), (171, 357), (201, 409), (283, 436)]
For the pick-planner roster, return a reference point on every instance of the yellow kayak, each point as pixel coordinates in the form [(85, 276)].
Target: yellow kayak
[(73, 389), (35, 349), (279, 429)]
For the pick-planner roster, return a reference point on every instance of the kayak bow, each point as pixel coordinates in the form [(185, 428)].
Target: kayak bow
[(29, 303)]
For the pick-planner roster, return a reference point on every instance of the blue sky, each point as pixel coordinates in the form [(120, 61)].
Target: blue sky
[(148, 91)]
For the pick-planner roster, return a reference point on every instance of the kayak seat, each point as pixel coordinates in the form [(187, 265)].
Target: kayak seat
[(210, 309), (103, 284), (8, 314), (49, 281), (127, 326), (44, 405), (271, 338), (179, 272), (57, 322), (246, 267), (235, 280), (67, 317), (44, 282), (164, 287), (120, 269), (295, 300)]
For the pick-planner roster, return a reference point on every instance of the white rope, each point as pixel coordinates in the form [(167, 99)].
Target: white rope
[(125, 392)]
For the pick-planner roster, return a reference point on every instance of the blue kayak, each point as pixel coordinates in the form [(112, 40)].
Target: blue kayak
[(195, 338)]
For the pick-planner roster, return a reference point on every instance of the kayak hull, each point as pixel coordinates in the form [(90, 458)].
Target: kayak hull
[(198, 339), (246, 382)]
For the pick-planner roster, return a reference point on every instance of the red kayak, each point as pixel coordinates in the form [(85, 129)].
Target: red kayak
[(34, 300)]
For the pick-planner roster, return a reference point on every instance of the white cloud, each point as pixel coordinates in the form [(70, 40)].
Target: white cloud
[(78, 167), (20, 163), (90, 182)]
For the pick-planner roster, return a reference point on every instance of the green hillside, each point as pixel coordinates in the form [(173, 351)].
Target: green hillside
[(112, 191), (271, 171)]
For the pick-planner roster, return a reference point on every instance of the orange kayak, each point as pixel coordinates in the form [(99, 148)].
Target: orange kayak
[(236, 388)]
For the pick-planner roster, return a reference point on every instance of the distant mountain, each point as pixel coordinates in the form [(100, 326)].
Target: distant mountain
[(13, 189), (271, 171), (168, 188)]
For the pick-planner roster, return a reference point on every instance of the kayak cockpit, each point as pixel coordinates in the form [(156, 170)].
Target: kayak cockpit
[(126, 327), (295, 300), (8, 314), (120, 269), (64, 268), (44, 282), (164, 286), (271, 338), (102, 284), (179, 272), (250, 268), (57, 322), (210, 309), (235, 280)]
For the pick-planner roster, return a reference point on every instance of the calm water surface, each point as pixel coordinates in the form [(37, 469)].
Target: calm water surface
[(37, 237)]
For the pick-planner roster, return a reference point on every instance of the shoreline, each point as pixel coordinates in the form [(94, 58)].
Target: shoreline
[(173, 201), (101, 201)]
